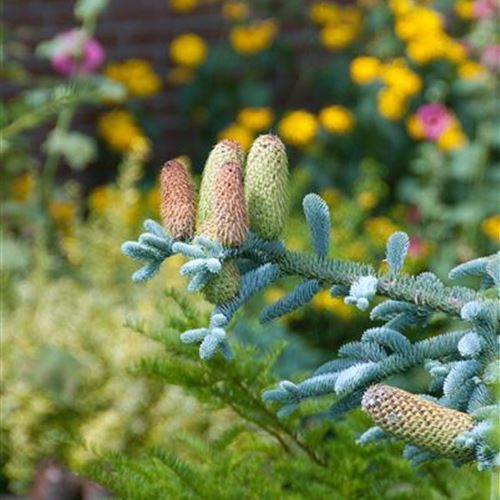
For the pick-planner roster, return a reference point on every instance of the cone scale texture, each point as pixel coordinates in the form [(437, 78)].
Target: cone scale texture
[(230, 211), (224, 152), (178, 200), (224, 286), (266, 186), (417, 421)]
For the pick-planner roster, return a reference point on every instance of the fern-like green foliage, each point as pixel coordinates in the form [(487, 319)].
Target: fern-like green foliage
[(462, 363), (254, 454)]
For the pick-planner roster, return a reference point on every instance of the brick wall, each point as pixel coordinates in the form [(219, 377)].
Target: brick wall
[(129, 28)]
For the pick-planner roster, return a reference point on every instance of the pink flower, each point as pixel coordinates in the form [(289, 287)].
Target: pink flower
[(491, 57), (435, 119), (484, 9), (416, 248), (76, 53)]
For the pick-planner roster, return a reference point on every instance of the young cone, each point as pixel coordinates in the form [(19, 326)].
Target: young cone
[(223, 286), (178, 203), (223, 152), (417, 421), (266, 186), (230, 211)]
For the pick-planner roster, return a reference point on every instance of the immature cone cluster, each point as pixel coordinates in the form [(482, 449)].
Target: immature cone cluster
[(266, 186), (417, 421), (178, 201), (233, 199)]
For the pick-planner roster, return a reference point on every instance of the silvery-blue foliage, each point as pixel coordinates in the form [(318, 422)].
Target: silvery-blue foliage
[(462, 364), (206, 260), (397, 248), (251, 282), (372, 434), (318, 218), (211, 339), (152, 248), (298, 297), (416, 455), (362, 291)]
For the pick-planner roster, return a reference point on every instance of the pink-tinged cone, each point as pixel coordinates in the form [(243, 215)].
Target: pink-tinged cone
[(77, 54), (230, 211), (178, 201), (435, 119)]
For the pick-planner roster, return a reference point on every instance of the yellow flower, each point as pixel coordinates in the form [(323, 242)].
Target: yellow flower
[(323, 13), (183, 6), (425, 51), (180, 75), (367, 200), (188, 50), (137, 75), (323, 301), (379, 229), (400, 7), (234, 10), (336, 119), (391, 104), (418, 22), (298, 127), (101, 197), (256, 118), (273, 294), (364, 69), (401, 78), (22, 187), (63, 212), (452, 138), (453, 50), (464, 9), (119, 129), (470, 70), (337, 36), (238, 133), (491, 227), (253, 38), (140, 146), (415, 128)]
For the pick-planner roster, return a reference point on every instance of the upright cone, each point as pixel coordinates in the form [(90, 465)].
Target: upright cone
[(230, 211), (266, 186), (178, 200), (225, 285), (417, 421), (224, 152)]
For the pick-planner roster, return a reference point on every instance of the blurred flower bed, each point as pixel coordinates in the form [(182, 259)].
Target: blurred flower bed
[(390, 113)]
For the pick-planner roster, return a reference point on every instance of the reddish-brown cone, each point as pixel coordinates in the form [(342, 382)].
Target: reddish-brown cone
[(178, 203), (230, 211)]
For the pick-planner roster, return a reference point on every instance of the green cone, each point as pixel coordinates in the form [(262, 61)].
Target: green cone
[(223, 286), (266, 186), (416, 420), (224, 152)]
